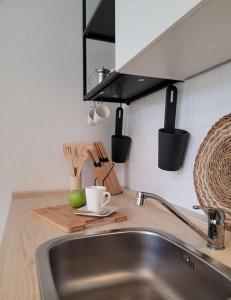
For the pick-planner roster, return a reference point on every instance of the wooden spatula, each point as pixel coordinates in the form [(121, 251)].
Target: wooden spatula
[(69, 152), (82, 156)]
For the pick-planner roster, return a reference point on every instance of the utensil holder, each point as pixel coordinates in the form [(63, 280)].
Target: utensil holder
[(120, 148), (172, 142), (75, 183), (172, 148)]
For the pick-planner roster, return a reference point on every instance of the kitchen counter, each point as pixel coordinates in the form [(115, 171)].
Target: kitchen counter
[(23, 234)]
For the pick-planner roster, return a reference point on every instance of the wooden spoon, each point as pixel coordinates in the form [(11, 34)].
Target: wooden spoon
[(69, 152), (82, 156)]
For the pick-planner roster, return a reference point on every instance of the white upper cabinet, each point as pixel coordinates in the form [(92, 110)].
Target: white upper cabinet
[(139, 22), (172, 39)]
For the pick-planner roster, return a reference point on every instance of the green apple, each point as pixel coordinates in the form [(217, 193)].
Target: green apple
[(77, 198)]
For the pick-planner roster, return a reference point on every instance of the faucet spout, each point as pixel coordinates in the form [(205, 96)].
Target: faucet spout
[(215, 237)]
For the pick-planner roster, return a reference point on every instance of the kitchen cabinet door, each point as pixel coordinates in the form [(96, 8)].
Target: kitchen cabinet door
[(139, 22)]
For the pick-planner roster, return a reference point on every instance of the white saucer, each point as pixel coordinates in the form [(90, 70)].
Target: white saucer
[(105, 212)]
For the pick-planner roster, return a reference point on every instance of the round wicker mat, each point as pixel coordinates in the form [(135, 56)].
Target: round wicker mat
[(212, 168)]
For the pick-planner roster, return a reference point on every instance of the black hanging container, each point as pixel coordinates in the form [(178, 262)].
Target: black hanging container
[(120, 143), (172, 142)]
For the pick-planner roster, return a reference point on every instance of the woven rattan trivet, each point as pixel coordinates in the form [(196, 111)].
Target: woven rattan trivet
[(212, 169)]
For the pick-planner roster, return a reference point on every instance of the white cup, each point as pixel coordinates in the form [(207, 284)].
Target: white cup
[(90, 117), (97, 198), (101, 113)]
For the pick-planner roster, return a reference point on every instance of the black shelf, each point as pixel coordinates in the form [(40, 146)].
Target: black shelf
[(117, 87), (126, 88), (102, 24)]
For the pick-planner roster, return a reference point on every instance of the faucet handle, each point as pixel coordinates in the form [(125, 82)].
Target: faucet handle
[(216, 226), (214, 213)]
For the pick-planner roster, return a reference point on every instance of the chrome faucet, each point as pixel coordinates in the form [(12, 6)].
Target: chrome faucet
[(216, 220)]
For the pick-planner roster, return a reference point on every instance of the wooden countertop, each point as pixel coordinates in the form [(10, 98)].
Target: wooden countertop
[(23, 234)]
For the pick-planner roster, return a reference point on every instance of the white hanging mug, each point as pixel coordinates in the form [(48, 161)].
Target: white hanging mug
[(97, 198), (90, 117), (102, 112)]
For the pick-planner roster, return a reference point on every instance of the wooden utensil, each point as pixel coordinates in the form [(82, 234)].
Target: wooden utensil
[(69, 152), (82, 155), (63, 218)]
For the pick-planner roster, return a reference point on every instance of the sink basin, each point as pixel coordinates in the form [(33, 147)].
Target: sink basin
[(128, 264)]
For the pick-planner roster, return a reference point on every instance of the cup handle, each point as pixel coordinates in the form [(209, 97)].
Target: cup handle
[(108, 195)]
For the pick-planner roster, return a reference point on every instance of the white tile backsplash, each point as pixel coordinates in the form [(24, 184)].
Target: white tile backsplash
[(184, 105), (206, 98), (202, 100)]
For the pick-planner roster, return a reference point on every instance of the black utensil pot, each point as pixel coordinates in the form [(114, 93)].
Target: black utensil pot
[(120, 143), (172, 142)]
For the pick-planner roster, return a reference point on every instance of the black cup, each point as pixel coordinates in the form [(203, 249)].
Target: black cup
[(172, 148)]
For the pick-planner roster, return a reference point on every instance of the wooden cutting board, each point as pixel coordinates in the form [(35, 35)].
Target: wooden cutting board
[(63, 218)]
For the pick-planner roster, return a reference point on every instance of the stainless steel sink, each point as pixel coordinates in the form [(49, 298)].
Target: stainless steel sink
[(129, 264)]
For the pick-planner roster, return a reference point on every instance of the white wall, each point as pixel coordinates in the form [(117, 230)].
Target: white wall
[(138, 23), (201, 102), (40, 95)]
